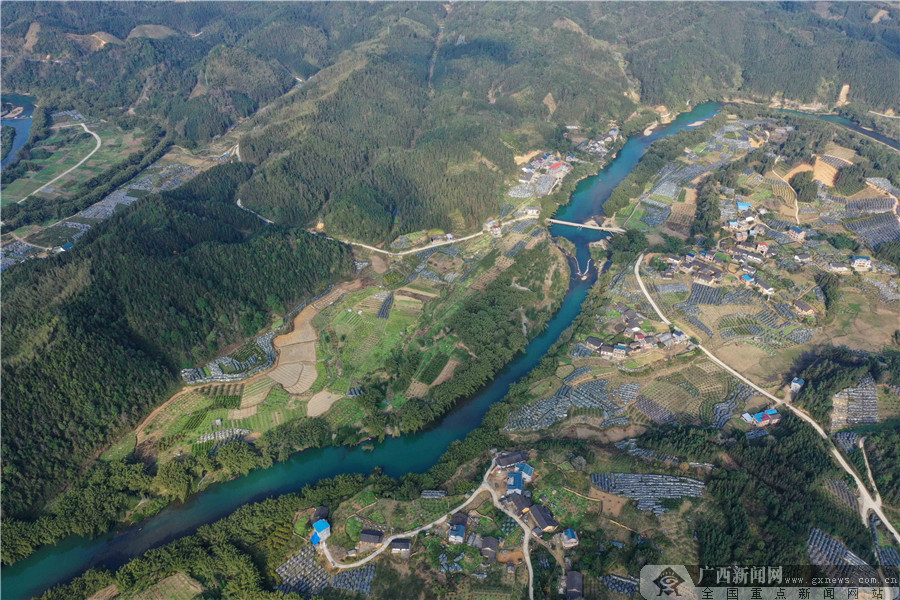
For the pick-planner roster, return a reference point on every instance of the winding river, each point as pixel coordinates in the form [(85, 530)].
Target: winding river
[(22, 124), (397, 456)]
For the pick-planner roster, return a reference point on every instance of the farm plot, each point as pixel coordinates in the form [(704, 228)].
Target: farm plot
[(174, 587), (673, 398), (681, 218), (345, 411)]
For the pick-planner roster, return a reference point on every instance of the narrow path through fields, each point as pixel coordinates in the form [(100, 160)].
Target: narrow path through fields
[(67, 171), (866, 502)]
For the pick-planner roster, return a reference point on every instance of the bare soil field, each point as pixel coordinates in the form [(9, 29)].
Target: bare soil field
[(801, 168), (845, 89), (321, 402), (824, 172), (610, 505), (379, 263), (242, 413), (521, 159)]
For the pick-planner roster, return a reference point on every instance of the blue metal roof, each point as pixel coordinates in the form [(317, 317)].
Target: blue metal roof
[(526, 469), (316, 539), (321, 526)]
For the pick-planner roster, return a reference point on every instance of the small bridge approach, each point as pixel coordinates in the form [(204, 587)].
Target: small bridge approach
[(587, 226)]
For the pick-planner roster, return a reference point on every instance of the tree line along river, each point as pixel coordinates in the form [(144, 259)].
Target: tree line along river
[(396, 456)]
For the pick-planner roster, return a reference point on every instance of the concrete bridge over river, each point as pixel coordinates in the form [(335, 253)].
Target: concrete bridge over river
[(587, 226)]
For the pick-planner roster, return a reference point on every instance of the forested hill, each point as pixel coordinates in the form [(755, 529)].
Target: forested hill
[(94, 338), (409, 115)]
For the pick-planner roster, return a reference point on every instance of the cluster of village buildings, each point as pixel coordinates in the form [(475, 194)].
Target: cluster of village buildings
[(512, 471), (598, 145), (630, 325)]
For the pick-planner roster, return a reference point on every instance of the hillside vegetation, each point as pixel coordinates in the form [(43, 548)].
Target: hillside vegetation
[(93, 338), (381, 119)]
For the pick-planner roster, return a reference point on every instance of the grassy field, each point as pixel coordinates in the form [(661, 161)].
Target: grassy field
[(355, 342), (120, 449), (67, 147)]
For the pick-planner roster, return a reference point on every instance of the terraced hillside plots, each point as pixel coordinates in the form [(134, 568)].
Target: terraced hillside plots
[(360, 332)]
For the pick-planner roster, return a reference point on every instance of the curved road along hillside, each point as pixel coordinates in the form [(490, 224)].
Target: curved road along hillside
[(866, 501), (432, 245)]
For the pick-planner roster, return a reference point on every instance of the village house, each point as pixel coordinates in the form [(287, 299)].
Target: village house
[(574, 586), (861, 262), (803, 308), (606, 351), (673, 259), (764, 287), (321, 532), (797, 384), (570, 538), (370, 539), (320, 513), (527, 472), (489, 548), (750, 270), (543, 519), (796, 234), (457, 534), (838, 267), (593, 343), (766, 417), (532, 211), (505, 461), (527, 177), (401, 546), (620, 351), (705, 278), (514, 484), (518, 504), (802, 257)]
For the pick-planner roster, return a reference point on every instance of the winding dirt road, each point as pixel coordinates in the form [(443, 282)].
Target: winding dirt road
[(67, 171), (484, 487), (866, 501)]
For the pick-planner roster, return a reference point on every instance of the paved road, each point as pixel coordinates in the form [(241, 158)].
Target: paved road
[(66, 172), (866, 502), (253, 212), (484, 487), (862, 448), (433, 244)]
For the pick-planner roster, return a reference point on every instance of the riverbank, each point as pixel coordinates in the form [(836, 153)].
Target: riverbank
[(411, 454)]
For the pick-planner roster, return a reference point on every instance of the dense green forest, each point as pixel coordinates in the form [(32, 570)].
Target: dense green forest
[(93, 338), (883, 451), (379, 125), (7, 136)]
